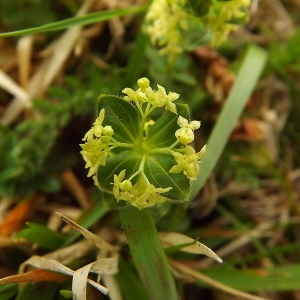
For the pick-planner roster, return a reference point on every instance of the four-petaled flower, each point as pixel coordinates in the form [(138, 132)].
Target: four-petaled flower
[(185, 134), (188, 162)]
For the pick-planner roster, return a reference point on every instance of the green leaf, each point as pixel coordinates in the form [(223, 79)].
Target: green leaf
[(42, 236), (130, 285), (79, 21), (282, 278), (126, 160), (66, 294), (7, 291), (122, 116), (148, 255), (244, 85), (157, 168), (162, 132)]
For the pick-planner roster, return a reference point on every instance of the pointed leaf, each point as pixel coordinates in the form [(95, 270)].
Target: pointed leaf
[(157, 168), (126, 160), (162, 132), (122, 116), (41, 235)]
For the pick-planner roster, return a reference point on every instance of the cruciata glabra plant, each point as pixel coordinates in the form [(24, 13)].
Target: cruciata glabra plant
[(141, 161)]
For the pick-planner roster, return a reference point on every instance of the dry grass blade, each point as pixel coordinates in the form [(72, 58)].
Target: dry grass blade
[(10, 242), (7, 84), (15, 220), (241, 241), (174, 238), (37, 275), (71, 253), (102, 266), (76, 188), (99, 242), (112, 285), (196, 275), (53, 265), (24, 51)]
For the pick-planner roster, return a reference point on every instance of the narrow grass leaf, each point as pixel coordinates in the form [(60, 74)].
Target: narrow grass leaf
[(148, 255), (244, 85), (281, 278), (8, 291), (79, 20), (130, 285)]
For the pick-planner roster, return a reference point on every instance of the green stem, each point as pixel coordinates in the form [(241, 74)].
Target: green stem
[(148, 255)]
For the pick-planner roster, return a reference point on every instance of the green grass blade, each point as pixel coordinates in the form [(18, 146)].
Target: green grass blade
[(281, 278), (137, 57), (79, 21), (244, 85), (131, 287), (148, 255), (7, 291)]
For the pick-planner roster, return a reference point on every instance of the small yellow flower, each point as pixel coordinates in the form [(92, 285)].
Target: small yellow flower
[(95, 149), (188, 162), (141, 195), (185, 134)]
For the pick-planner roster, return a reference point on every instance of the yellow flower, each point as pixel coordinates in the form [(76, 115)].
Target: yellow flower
[(188, 163), (141, 195), (95, 149), (185, 134)]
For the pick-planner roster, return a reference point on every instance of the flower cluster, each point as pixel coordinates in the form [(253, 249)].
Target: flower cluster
[(145, 94), (130, 177), (96, 146), (223, 18), (141, 195), (168, 20), (165, 20)]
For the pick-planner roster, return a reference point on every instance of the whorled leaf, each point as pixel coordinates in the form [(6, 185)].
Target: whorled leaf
[(157, 167), (161, 133), (122, 116)]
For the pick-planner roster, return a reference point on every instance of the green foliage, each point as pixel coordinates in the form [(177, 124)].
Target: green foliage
[(87, 19), (125, 120), (7, 291), (23, 151), (27, 148), (12, 13), (42, 236), (279, 278)]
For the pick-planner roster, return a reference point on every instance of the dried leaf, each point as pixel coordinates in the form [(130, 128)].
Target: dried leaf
[(24, 51), (10, 242), (103, 266), (99, 242), (172, 238), (15, 220), (53, 265), (34, 276), (199, 276)]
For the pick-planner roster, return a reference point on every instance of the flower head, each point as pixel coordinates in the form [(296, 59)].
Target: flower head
[(188, 163), (139, 160), (185, 133), (95, 149)]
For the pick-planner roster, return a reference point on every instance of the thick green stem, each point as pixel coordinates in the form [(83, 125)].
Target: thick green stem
[(148, 255)]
